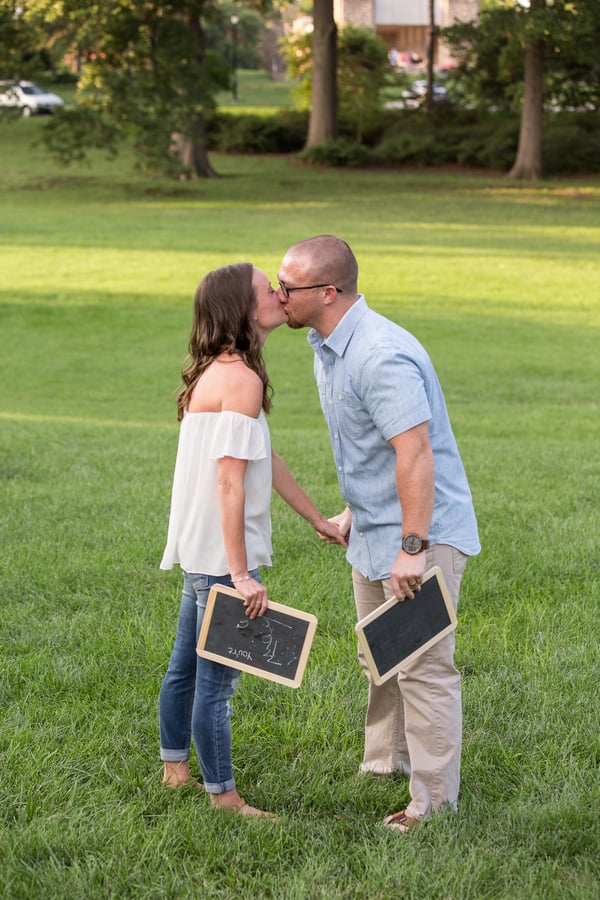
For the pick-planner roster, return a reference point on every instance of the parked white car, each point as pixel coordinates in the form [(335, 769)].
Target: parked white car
[(29, 98), (420, 88)]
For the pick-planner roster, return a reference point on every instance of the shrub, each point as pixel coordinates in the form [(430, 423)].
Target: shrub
[(293, 126), (571, 143), (490, 142), (397, 148), (416, 145), (65, 76), (284, 132), (343, 152), (373, 128)]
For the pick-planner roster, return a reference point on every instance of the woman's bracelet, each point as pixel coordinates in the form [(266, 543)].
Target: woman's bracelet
[(242, 578)]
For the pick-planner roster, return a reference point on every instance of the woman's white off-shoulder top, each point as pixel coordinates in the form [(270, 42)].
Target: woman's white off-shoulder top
[(195, 537)]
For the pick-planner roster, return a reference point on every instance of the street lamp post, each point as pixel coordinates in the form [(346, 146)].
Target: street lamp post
[(234, 83)]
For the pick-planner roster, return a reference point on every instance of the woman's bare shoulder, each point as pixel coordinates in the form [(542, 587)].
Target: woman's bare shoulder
[(228, 384), (242, 389)]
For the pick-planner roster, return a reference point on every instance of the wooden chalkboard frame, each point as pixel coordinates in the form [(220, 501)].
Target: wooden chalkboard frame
[(226, 605), (380, 633)]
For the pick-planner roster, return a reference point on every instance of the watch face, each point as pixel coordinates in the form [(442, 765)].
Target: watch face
[(412, 543)]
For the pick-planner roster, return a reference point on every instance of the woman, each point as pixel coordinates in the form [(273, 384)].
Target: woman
[(219, 527)]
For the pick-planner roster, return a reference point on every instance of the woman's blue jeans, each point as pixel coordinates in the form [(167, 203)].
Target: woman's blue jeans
[(196, 693)]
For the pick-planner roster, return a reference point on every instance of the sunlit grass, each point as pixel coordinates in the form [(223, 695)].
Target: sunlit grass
[(257, 93)]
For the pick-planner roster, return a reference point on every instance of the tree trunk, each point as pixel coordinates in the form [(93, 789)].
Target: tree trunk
[(323, 114), (528, 164), (190, 148), (430, 56), (191, 152)]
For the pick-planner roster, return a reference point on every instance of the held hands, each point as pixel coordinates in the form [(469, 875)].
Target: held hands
[(254, 594), (336, 529), (407, 574)]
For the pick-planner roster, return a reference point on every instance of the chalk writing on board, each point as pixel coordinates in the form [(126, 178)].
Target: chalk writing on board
[(267, 637), (236, 653)]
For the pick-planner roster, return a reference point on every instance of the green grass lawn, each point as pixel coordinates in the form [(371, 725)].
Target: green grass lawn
[(258, 93), (501, 283)]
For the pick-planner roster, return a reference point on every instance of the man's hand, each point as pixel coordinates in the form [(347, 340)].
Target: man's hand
[(407, 574)]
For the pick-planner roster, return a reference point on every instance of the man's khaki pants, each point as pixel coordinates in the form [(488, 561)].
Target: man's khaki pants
[(414, 720)]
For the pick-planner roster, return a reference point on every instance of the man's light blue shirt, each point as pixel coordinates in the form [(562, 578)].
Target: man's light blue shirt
[(376, 381)]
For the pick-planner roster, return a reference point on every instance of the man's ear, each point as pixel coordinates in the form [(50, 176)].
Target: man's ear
[(330, 295)]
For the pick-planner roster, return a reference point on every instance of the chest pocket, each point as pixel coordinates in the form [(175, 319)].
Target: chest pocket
[(354, 420)]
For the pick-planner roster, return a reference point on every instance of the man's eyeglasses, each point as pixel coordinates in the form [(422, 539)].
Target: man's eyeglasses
[(286, 290)]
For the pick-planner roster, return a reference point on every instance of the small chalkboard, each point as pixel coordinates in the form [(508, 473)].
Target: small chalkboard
[(397, 632), (274, 646)]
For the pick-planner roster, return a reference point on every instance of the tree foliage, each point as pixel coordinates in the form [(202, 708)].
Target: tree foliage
[(491, 53), (22, 43), (252, 28), (527, 56), (145, 73), (362, 67), (152, 76)]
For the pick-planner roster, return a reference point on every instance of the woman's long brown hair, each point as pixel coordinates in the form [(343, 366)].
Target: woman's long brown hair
[(223, 323)]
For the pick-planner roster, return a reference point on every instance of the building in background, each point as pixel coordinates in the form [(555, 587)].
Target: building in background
[(404, 24)]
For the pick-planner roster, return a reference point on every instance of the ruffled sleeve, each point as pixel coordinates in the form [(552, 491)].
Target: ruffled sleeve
[(239, 436)]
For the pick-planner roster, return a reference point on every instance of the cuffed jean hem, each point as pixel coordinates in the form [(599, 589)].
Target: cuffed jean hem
[(175, 756), (196, 693), (220, 788)]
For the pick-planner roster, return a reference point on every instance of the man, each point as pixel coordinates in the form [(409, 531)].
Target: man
[(409, 506)]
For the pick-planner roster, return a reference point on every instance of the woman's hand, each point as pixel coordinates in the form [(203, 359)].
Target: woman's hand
[(342, 522), (329, 530), (254, 594)]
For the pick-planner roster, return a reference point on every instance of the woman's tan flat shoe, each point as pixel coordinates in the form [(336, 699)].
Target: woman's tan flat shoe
[(189, 782), (243, 809)]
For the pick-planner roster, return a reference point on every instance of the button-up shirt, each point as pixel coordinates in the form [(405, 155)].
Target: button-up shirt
[(376, 381)]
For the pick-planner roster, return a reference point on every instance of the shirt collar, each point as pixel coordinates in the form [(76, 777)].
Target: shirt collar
[(340, 337)]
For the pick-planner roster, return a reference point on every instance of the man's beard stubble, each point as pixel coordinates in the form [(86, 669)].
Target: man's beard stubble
[(293, 323)]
